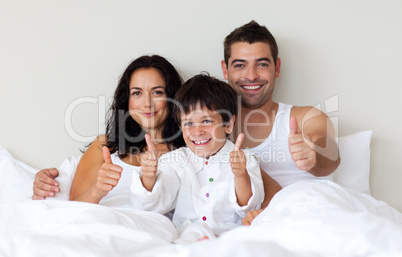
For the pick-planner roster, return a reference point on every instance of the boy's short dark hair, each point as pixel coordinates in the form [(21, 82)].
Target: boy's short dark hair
[(210, 93), (251, 32)]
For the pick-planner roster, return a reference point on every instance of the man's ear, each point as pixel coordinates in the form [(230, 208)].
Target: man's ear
[(278, 67), (230, 125), (224, 69)]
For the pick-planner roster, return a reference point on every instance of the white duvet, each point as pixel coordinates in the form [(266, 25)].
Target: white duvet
[(48, 228), (308, 218)]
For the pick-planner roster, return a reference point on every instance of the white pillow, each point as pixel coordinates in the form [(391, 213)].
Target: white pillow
[(354, 170), (16, 178), (66, 175)]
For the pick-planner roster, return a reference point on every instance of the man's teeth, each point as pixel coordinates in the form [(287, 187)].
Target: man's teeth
[(251, 87), (200, 142)]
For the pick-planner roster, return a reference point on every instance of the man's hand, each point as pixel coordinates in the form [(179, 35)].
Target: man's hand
[(45, 184), (246, 221), (301, 148)]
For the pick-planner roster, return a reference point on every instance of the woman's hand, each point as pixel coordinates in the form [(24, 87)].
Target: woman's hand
[(149, 165), (45, 184), (108, 175)]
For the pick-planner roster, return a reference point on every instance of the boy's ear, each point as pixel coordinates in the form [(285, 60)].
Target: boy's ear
[(229, 126)]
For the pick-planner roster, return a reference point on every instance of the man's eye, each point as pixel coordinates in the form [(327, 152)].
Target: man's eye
[(207, 121), (263, 64), (239, 66)]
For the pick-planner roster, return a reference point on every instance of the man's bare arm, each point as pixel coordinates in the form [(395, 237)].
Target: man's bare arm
[(271, 187), (312, 141)]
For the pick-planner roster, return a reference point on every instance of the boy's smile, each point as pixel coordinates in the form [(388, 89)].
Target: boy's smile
[(204, 131)]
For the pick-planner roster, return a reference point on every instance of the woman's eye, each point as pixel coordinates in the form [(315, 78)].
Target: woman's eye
[(159, 92), (188, 124), (136, 93)]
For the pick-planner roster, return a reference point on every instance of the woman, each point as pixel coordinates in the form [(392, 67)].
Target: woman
[(142, 104)]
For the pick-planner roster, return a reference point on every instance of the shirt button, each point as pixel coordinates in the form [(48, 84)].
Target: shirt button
[(204, 218), (206, 163), (211, 180), (207, 195)]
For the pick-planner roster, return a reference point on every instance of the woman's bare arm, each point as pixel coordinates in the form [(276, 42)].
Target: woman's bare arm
[(95, 175)]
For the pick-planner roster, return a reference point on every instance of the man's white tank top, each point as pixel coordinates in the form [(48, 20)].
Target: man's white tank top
[(274, 155)]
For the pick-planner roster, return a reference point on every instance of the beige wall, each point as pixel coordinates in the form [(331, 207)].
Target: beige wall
[(56, 55)]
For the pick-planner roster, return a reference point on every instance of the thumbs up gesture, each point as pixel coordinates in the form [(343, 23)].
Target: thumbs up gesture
[(301, 147), (108, 175), (237, 158), (149, 165)]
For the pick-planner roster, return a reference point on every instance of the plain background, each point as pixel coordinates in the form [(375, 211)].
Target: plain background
[(60, 62)]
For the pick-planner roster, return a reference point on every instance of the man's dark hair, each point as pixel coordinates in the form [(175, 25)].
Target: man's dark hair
[(251, 32)]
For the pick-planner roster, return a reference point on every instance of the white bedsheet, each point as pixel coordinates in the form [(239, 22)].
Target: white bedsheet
[(309, 218), (321, 217), (305, 219), (31, 228)]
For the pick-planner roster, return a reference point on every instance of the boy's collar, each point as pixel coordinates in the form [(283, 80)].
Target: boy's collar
[(223, 156)]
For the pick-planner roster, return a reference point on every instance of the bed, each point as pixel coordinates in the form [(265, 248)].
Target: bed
[(331, 217)]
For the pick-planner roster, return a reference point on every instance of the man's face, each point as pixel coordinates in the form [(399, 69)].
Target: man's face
[(251, 71)]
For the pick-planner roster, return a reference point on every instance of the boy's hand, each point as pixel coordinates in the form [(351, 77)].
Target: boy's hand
[(149, 165), (237, 158)]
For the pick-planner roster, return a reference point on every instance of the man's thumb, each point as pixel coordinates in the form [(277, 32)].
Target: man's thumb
[(293, 125), (54, 172)]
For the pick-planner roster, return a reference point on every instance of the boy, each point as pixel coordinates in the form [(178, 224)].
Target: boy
[(211, 183)]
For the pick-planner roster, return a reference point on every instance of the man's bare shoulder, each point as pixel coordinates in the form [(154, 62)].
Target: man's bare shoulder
[(313, 121), (302, 110), (309, 115)]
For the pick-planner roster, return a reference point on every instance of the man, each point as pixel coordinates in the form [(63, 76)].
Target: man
[(293, 143)]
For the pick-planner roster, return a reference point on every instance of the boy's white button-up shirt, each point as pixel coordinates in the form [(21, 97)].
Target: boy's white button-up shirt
[(199, 189)]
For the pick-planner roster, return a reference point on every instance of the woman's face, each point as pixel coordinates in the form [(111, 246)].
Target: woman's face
[(147, 103)]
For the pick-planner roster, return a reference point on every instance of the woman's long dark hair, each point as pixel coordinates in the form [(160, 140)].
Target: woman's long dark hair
[(123, 133)]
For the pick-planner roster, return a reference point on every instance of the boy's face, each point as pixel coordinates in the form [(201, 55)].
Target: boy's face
[(204, 131)]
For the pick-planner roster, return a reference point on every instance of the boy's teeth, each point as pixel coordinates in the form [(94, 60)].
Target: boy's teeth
[(200, 142)]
